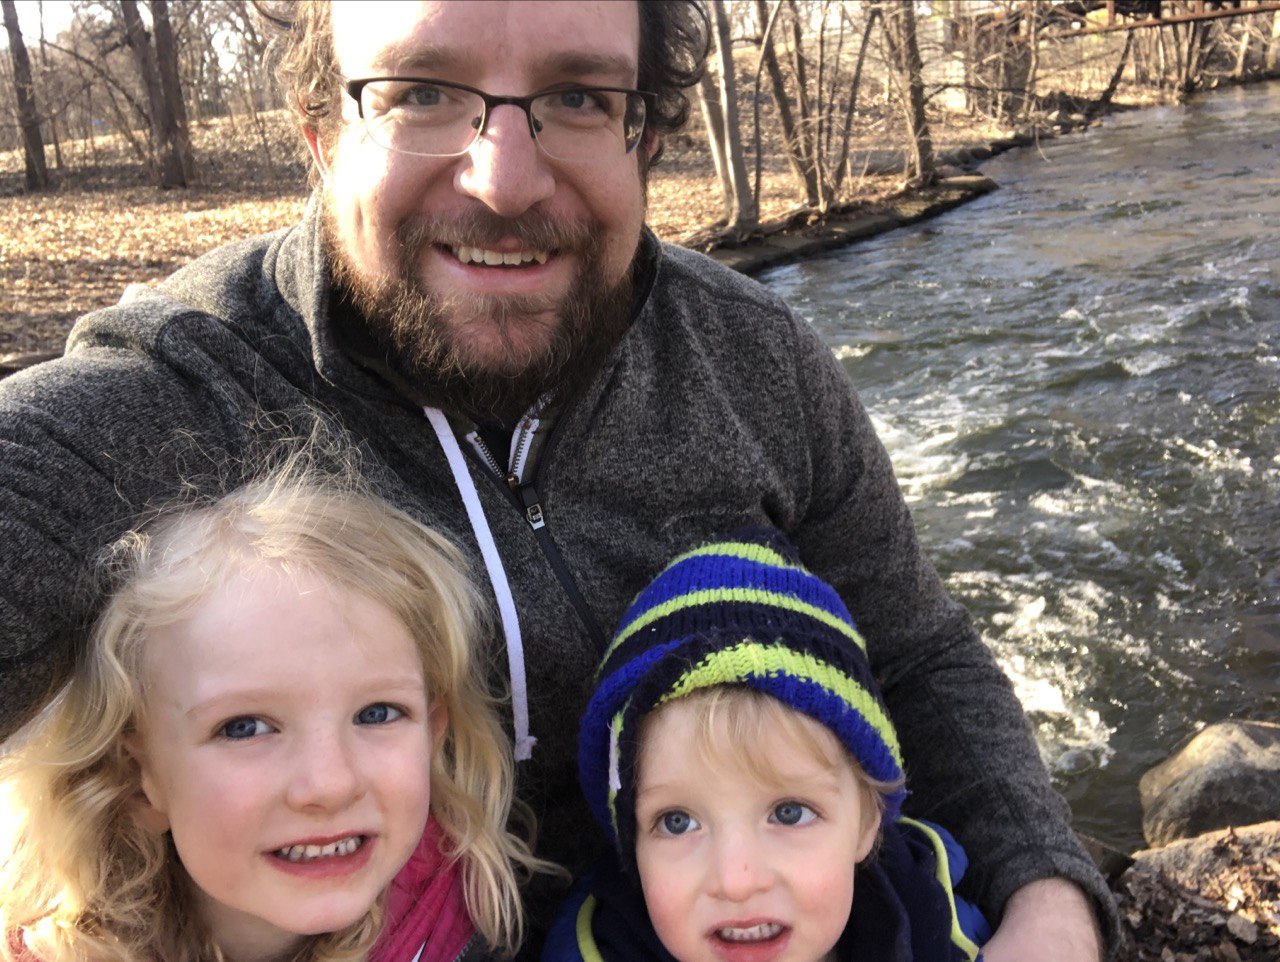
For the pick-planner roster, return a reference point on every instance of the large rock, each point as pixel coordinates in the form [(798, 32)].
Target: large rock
[(1193, 861), (1229, 774)]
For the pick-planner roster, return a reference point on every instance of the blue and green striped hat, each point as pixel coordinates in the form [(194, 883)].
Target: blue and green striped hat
[(742, 611)]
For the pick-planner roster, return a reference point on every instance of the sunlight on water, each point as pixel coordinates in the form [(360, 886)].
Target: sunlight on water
[(1077, 379)]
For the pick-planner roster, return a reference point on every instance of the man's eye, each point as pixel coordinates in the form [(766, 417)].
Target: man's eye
[(379, 714), (793, 813), (420, 95), (246, 727), (676, 823), (580, 100)]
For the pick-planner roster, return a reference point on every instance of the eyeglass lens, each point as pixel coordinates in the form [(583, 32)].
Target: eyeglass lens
[(438, 120)]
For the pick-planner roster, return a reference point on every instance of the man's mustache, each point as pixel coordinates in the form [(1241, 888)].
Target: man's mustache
[(481, 227)]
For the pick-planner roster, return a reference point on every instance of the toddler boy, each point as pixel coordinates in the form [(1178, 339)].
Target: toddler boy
[(739, 756)]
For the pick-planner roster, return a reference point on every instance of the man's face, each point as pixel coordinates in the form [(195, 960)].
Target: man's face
[(398, 225)]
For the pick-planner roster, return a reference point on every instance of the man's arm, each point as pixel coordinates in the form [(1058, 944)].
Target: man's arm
[(1050, 920), (972, 762), (85, 443)]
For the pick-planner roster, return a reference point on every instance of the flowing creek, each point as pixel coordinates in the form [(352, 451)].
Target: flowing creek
[(1077, 377)]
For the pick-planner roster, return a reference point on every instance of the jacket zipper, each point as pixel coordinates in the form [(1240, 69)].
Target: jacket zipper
[(524, 494)]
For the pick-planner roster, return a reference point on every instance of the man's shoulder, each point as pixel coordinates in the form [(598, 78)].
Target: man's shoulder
[(687, 273), (240, 289)]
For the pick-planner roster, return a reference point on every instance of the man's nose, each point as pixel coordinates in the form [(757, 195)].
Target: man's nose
[(507, 171), (740, 869), (324, 774)]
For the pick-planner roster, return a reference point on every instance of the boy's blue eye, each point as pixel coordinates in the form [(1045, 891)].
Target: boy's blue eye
[(245, 727), (676, 823), (793, 813), (378, 714)]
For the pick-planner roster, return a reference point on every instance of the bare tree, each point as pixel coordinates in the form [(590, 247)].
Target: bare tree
[(799, 155), (46, 77), (168, 155), (1272, 57), (175, 113), (37, 175), (1104, 101), (720, 109), (904, 51)]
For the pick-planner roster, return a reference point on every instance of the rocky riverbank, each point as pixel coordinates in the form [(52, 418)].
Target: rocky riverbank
[(1208, 890)]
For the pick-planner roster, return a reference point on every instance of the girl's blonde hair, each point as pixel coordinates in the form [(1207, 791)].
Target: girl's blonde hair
[(81, 879)]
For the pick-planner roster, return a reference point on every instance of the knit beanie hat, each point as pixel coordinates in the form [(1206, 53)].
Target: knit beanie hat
[(742, 611)]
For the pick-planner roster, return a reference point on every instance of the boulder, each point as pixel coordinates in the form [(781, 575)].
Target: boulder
[(1228, 774)]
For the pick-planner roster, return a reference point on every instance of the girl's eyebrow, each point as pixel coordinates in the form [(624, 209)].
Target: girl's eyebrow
[(233, 699)]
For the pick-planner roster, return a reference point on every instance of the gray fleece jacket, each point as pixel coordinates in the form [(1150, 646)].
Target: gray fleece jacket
[(719, 409)]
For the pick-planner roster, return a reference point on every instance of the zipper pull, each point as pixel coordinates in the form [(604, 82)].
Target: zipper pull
[(534, 514), (532, 509)]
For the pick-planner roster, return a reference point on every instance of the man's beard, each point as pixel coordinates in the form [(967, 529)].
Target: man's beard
[(423, 334)]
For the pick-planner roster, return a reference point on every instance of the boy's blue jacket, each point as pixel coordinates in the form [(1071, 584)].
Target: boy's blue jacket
[(904, 909)]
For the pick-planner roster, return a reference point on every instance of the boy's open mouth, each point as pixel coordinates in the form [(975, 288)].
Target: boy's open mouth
[(309, 853)]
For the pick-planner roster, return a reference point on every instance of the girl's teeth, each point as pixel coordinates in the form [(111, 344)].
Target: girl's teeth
[(305, 853), (756, 933)]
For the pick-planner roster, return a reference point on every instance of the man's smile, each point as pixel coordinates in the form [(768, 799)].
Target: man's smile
[(492, 258)]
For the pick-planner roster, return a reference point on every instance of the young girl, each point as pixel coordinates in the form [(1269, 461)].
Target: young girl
[(277, 745), (739, 756)]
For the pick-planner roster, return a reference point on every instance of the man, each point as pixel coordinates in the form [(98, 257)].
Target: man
[(472, 295)]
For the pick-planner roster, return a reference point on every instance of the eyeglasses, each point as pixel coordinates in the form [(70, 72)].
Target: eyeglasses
[(434, 118)]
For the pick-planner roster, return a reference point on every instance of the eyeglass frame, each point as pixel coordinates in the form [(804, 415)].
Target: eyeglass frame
[(355, 87)]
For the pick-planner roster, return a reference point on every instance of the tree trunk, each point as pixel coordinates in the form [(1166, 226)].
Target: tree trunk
[(843, 164), (800, 164), (744, 213), (1272, 58), (1103, 102), (37, 176), (167, 156), (714, 117), (1032, 17), (53, 120), (805, 123), (900, 35), (171, 87), (1164, 59)]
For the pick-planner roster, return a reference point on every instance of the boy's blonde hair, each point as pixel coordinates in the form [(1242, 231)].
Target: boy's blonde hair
[(731, 720), (81, 879)]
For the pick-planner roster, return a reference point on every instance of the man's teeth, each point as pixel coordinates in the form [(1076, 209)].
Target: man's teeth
[(757, 933), (477, 255), (305, 853)]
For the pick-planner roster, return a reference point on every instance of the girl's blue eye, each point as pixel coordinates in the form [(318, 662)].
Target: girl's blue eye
[(676, 823), (246, 727), (378, 714), (793, 813)]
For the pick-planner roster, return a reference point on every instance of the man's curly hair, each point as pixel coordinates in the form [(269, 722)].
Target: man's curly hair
[(674, 41)]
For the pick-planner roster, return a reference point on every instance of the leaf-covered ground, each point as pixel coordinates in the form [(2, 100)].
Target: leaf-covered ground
[(1230, 915)]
